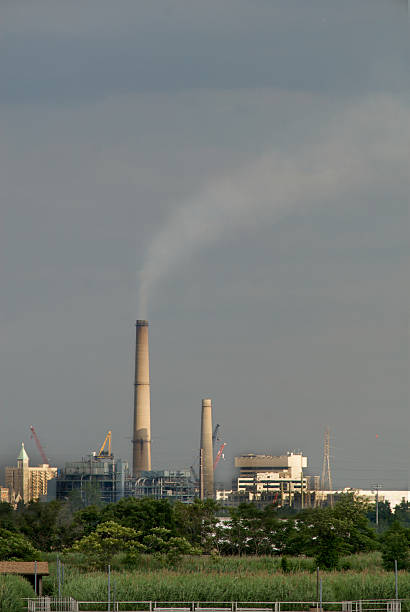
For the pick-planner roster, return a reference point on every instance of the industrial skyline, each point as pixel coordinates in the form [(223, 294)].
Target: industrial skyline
[(238, 176)]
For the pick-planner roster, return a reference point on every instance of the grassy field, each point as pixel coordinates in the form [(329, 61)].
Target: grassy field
[(234, 579)]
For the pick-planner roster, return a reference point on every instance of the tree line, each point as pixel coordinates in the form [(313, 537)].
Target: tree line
[(148, 526)]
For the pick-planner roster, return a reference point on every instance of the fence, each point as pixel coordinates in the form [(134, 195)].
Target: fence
[(52, 604), (67, 604)]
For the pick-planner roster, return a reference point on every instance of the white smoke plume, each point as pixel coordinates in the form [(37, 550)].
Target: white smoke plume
[(362, 151)]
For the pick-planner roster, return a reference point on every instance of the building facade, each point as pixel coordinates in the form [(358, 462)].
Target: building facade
[(265, 479), (27, 483)]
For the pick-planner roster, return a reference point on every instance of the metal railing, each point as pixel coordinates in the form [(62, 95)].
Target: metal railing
[(52, 604), (68, 604), (376, 605)]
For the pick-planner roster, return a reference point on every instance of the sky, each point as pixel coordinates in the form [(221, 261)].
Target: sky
[(237, 173)]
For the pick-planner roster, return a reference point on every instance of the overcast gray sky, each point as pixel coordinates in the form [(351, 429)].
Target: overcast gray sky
[(236, 172)]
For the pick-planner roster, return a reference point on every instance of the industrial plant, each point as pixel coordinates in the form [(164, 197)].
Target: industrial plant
[(102, 476)]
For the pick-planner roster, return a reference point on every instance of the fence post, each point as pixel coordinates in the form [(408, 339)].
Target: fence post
[(59, 576), (396, 581), (109, 589), (35, 577)]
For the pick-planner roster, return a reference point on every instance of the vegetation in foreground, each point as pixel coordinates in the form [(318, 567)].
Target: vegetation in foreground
[(13, 590), (163, 551), (240, 583), (145, 527)]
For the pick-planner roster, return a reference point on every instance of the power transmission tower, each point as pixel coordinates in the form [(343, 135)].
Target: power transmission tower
[(326, 478)]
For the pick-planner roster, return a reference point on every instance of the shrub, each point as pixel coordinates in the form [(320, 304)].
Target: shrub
[(15, 547), (395, 547), (12, 591), (107, 540)]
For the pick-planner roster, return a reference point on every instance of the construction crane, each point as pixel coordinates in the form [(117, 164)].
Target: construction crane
[(38, 444), (215, 434), (101, 452), (219, 455)]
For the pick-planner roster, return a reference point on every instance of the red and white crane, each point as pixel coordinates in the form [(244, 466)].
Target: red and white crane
[(38, 444), (219, 455)]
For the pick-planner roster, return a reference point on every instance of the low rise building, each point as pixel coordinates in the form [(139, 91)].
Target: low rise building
[(270, 477)]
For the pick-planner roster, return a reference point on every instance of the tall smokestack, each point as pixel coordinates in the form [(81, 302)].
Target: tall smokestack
[(206, 452), (141, 457)]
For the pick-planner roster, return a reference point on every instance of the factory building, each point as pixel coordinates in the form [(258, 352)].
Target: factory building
[(101, 476), (271, 482), (174, 485), (267, 478), (27, 483), (265, 474), (290, 465)]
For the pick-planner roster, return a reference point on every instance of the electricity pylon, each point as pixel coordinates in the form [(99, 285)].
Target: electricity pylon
[(326, 478)]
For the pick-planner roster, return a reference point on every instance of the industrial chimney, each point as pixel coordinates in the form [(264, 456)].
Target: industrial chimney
[(141, 459), (206, 452)]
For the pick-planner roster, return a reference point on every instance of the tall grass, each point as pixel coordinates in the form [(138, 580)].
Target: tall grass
[(12, 591), (262, 585), (225, 564)]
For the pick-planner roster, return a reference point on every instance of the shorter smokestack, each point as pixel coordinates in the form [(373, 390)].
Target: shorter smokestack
[(206, 452)]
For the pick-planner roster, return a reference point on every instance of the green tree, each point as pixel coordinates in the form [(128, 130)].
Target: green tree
[(161, 542), (38, 521), (395, 546), (321, 535), (197, 523), (7, 516), (402, 513), (289, 539), (178, 547), (15, 547), (141, 514), (358, 535), (107, 540), (386, 517), (251, 530), (86, 521)]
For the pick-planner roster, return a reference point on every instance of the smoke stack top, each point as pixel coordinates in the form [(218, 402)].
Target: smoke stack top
[(141, 323)]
